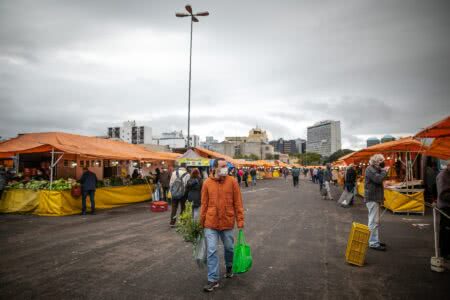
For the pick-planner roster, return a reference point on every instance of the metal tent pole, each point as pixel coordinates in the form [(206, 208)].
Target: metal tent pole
[(51, 168)]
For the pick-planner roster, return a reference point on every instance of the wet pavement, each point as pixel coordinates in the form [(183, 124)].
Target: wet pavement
[(298, 242)]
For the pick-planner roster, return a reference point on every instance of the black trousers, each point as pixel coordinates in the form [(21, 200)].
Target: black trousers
[(175, 203), (295, 178), (165, 192), (444, 234)]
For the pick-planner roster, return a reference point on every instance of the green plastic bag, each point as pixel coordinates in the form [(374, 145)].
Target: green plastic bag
[(242, 258)]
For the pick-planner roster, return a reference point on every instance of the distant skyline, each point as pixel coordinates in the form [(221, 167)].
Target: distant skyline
[(380, 67)]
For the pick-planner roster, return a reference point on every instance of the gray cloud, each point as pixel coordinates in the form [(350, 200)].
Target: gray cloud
[(378, 66)]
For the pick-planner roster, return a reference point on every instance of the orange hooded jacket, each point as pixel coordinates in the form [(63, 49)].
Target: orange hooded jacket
[(221, 204)]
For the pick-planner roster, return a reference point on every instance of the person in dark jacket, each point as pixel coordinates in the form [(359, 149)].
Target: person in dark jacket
[(319, 178), (374, 196), (443, 203), (135, 174), (245, 179), (194, 189), (164, 179), (350, 182), (253, 175), (88, 186), (2, 180)]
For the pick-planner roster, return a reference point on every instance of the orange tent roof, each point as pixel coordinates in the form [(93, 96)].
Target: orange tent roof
[(80, 145), (212, 154), (437, 130), (407, 144), (440, 148)]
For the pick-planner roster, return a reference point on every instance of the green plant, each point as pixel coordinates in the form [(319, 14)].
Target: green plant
[(189, 228)]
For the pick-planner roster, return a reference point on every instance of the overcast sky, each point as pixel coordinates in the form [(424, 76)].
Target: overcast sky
[(80, 66)]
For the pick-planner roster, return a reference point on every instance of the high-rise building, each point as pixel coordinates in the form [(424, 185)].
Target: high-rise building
[(301, 145), (387, 138), (174, 139), (372, 141), (131, 133), (324, 137), (285, 146)]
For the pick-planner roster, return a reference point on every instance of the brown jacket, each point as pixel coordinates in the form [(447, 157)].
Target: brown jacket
[(221, 204)]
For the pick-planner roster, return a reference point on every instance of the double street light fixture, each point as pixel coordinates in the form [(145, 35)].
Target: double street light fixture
[(193, 19)]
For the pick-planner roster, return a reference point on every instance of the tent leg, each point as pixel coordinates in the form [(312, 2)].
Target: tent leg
[(437, 263), (51, 168)]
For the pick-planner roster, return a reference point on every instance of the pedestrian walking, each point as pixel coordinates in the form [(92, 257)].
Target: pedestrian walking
[(348, 194), (178, 182), (319, 178), (221, 209), (164, 179), (285, 173), (240, 174), (253, 175), (374, 196), (194, 188), (314, 175), (327, 179), (88, 186), (443, 203), (246, 177), (295, 176)]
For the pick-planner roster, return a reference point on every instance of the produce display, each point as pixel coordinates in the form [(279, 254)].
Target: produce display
[(58, 185), (67, 184)]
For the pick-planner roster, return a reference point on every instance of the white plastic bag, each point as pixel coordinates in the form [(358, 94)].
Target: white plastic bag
[(200, 251)]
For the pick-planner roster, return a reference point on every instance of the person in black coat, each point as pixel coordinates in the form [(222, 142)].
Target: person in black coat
[(350, 181), (88, 186), (194, 192)]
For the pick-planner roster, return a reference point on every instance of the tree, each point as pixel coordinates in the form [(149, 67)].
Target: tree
[(269, 156), (338, 154), (309, 158)]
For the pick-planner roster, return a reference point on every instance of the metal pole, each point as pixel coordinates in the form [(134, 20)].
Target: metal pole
[(189, 98), (436, 247), (51, 167)]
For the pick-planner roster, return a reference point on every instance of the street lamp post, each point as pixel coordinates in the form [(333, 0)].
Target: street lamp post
[(193, 19)]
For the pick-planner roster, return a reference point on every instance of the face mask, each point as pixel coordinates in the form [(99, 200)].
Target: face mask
[(223, 172)]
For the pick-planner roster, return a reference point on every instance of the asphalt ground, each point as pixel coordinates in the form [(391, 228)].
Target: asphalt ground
[(298, 243)]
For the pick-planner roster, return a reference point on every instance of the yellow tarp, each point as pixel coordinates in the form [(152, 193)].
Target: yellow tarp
[(19, 201), (61, 203), (399, 202)]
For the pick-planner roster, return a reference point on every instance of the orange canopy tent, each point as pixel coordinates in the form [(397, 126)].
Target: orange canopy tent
[(80, 145), (440, 131), (407, 144), (212, 154)]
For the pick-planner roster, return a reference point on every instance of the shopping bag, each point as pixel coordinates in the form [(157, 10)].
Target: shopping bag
[(346, 197), (200, 251), (155, 196), (242, 258)]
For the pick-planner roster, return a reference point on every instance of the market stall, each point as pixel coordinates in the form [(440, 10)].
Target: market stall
[(64, 156), (62, 203), (403, 192)]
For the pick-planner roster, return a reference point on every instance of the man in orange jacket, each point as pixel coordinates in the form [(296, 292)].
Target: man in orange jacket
[(221, 208)]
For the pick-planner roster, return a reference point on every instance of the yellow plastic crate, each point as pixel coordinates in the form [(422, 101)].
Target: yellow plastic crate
[(357, 245)]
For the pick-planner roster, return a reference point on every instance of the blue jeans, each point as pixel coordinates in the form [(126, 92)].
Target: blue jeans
[(84, 194), (212, 241), (253, 180), (374, 223)]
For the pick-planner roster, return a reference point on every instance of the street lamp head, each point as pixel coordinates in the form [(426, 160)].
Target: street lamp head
[(181, 15), (189, 9), (202, 14), (194, 19)]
